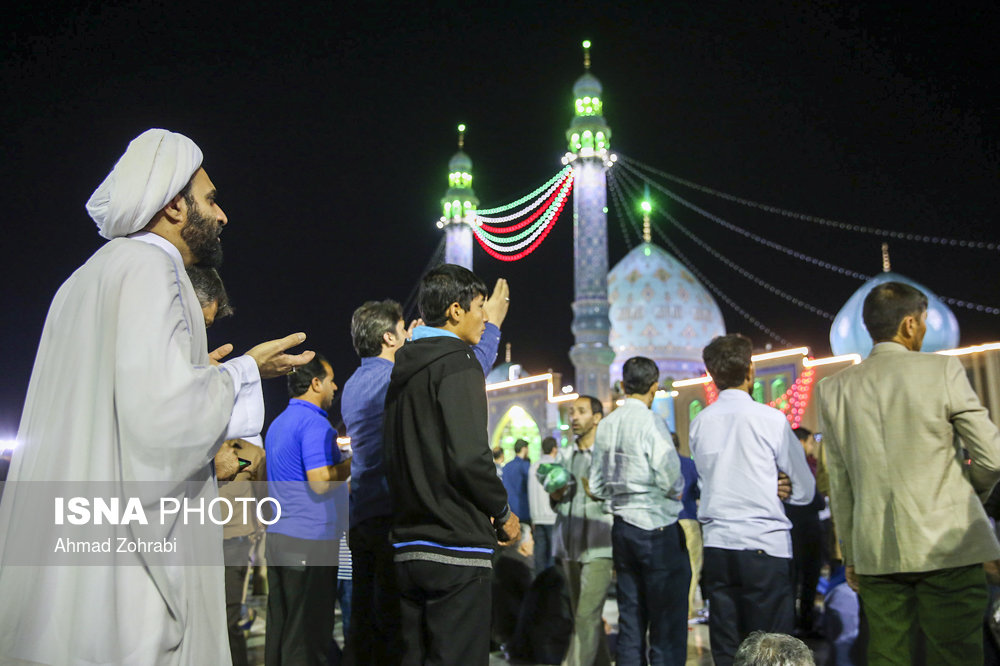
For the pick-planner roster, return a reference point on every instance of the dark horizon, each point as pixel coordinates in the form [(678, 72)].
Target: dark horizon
[(328, 128)]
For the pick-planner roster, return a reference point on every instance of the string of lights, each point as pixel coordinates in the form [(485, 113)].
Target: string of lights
[(525, 237), (731, 264), (622, 209), (486, 229), (491, 221), (748, 234), (815, 219), (968, 305), (502, 209), (536, 234)]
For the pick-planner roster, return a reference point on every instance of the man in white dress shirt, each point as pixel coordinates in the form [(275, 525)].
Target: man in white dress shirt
[(124, 390), (739, 447)]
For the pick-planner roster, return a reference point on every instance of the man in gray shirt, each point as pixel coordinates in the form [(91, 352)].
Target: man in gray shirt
[(636, 468), (582, 540)]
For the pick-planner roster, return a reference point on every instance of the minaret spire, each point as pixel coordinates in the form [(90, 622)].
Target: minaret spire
[(586, 54), (647, 208), (885, 258), (459, 207)]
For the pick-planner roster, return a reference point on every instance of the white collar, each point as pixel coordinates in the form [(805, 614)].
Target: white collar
[(160, 242)]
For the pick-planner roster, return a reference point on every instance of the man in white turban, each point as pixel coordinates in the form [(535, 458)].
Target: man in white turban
[(124, 390)]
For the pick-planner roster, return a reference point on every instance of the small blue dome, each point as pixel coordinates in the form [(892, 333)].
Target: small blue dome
[(848, 334), (460, 162), (660, 311)]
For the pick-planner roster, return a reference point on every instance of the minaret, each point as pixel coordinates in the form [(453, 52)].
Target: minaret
[(459, 207), (589, 140)]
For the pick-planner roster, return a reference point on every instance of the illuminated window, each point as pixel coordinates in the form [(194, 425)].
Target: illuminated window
[(758, 391), (694, 409), (588, 139), (517, 424), (778, 388), (602, 142)]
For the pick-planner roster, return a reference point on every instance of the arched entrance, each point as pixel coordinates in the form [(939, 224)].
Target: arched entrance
[(514, 425)]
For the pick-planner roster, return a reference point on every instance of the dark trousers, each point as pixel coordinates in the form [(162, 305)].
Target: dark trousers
[(807, 540), (542, 534), (654, 573), (945, 606), (445, 613), (300, 609), (748, 590), (236, 549), (373, 635)]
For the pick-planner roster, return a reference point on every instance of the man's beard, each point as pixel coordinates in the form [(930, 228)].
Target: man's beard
[(202, 237)]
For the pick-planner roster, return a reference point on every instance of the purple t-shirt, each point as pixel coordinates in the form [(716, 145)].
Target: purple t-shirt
[(301, 438)]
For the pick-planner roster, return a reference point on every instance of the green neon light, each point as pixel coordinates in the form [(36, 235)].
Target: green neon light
[(647, 207), (461, 128), (586, 43)]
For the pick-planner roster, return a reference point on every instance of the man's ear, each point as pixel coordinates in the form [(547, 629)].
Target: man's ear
[(176, 210), (455, 312), (388, 338), (316, 384)]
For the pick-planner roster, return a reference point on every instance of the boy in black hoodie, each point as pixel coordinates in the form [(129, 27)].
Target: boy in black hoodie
[(448, 506)]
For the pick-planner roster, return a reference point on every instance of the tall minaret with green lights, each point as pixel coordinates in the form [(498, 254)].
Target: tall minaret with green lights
[(589, 140), (459, 208)]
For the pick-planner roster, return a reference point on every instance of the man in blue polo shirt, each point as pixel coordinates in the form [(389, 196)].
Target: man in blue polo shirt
[(304, 466), (378, 332)]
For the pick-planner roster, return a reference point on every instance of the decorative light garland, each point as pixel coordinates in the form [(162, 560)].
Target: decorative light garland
[(487, 228), (501, 209), (733, 265), (711, 392), (620, 205), (888, 233), (535, 234), (794, 401)]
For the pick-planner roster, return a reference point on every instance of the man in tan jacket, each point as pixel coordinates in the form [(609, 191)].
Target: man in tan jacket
[(911, 453)]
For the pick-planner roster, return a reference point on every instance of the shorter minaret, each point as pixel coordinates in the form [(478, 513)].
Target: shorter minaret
[(459, 208)]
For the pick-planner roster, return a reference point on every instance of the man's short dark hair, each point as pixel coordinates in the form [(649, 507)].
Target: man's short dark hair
[(549, 444), (887, 305), (727, 358), (444, 285), (519, 446), (497, 453), (802, 433), (209, 289), (638, 374), (596, 406), (371, 322), (300, 379), (763, 649)]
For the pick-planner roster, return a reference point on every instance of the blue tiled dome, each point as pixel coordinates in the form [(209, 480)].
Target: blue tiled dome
[(848, 334), (659, 310)]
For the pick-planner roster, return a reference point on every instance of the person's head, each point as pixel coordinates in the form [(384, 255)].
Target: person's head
[(676, 440), (763, 649), (549, 445), (211, 293), (728, 360), (497, 454), (584, 415), (894, 311), (377, 327), (452, 297), (201, 220), (313, 382), (805, 436), (521, 448), (640, 378)]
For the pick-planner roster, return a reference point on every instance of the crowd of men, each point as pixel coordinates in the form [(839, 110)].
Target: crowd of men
[(910, 454)]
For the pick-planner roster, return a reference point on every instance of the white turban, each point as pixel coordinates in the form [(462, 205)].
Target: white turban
[(154, 169)]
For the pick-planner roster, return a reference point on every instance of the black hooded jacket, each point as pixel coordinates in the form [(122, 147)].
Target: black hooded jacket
[(442, 480)]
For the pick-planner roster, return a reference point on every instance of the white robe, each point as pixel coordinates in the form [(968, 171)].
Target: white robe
[(122, 390)]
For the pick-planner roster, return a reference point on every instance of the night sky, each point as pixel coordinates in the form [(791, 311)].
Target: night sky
[(327, 129)]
